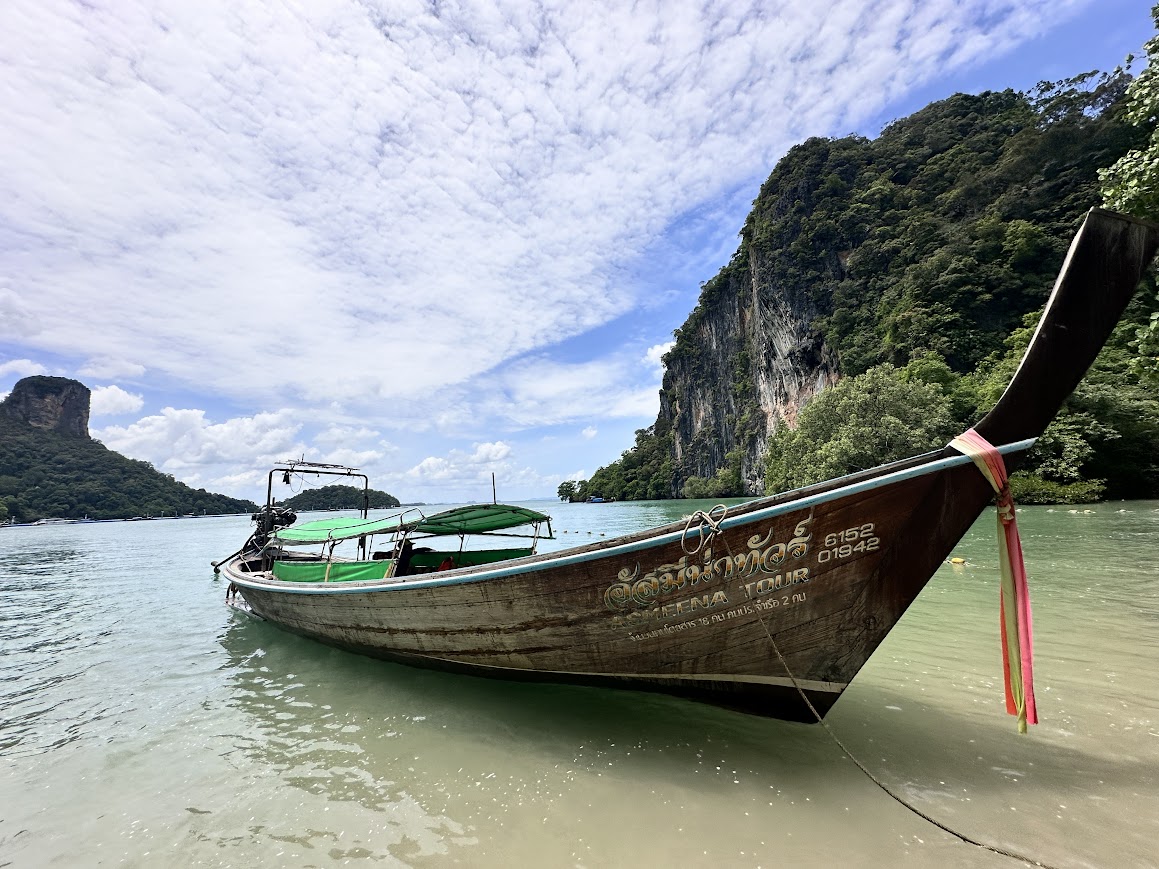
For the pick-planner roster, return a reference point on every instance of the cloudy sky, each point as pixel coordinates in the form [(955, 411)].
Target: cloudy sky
[(434, 240)]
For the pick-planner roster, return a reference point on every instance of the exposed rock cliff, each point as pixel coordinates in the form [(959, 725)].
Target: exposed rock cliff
[(51, 403), (930, 242), (757, 359), (753, 353)]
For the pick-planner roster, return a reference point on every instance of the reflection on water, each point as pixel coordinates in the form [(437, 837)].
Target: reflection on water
[(315, 729), (144, 724), (461, 759)]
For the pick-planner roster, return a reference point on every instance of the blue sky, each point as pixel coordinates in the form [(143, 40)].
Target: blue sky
[(432, 240)]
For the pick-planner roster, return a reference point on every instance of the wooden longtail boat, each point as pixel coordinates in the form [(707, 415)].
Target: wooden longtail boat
[(776, 599)]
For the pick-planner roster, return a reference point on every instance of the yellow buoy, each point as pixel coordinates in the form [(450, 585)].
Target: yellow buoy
[(957, 561)]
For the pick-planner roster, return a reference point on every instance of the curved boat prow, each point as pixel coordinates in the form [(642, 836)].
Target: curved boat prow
[(1103, 267)]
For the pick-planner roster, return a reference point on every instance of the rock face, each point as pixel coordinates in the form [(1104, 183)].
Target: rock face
[(50, 403), (928, 244), (748, 360)]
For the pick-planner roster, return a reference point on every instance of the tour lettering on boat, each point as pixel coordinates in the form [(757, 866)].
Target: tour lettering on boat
[(634, 594)]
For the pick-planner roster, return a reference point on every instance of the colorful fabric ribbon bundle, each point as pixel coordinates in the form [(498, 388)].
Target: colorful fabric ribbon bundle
[(1017, 633)]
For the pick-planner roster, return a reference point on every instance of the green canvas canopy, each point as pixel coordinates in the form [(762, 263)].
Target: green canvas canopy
[(324, 530), (475, 519)]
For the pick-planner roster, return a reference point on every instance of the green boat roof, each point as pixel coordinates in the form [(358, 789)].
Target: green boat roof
[(474, 519), (477, 519), (323, 530)]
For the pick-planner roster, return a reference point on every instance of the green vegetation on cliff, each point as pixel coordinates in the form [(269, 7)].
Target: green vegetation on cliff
[(339, 498), (927, 251), (1132, 185), (643, 473), (49, 474)]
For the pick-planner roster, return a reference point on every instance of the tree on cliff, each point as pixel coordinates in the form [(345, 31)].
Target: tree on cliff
[(644, 472), (861, 422), (1132, 184)]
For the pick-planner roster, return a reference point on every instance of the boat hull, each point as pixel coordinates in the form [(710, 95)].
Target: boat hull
[(786, 601)]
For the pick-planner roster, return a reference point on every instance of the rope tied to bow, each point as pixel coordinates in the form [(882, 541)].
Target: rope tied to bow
[(703, 519), (1014, 597)]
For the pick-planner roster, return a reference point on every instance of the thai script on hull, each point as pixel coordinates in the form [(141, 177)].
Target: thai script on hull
[(633, 591)]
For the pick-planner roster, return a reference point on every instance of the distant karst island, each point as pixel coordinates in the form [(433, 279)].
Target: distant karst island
[(340, 498), (50, 467)]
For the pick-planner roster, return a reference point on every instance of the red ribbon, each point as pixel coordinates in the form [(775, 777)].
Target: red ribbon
[(1014, 599)]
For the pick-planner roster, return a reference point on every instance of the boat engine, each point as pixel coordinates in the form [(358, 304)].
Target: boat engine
[(269, 519)]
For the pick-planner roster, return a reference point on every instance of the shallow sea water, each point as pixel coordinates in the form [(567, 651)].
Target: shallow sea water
[(143, 723)]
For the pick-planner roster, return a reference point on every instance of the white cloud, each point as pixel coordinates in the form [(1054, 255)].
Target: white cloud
[(19, 319), (107, 368), (345, 435), (655, 354), (20, 367), (205, 454), (352, 458), (114, 401), (377, 202), (234, 456), (466, 476), (486, 454), (435, 470), (590, 432), (537, 390)]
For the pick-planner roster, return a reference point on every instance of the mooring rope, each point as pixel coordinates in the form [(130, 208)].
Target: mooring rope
[(873, 778), (849, 754), (703, 519)]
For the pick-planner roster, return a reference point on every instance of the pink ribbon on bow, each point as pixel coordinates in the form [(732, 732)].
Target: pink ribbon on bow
[(1014, 599)]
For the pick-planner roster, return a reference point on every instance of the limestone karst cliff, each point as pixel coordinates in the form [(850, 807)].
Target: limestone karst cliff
[(931, 242), (51, 403), (747, 362)]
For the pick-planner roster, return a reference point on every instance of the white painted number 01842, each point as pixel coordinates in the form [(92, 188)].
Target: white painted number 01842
[(845, 544)]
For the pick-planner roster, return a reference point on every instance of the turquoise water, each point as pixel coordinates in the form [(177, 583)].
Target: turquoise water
[(142, 723)]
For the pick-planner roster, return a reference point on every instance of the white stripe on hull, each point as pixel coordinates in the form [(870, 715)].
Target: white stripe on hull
[(779, 681)]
